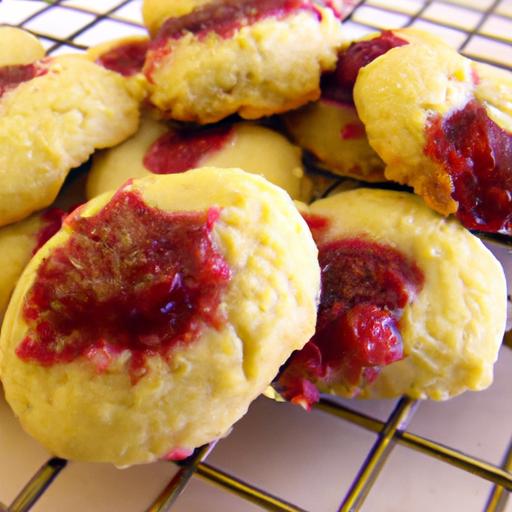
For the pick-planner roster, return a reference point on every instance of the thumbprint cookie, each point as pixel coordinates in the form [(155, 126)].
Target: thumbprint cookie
[(160, 149), (209, 60), (443, 125), (412, 303), (53, 114), (146, 326)]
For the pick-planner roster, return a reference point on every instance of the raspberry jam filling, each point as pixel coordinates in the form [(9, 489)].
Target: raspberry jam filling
[(178, 454), (131, 278), (338, 86), (223, 18), (352, 131), (52, 222), (477, 154), (12, 76), (126, 59), (227, 16), (180, 151), (365, 288)]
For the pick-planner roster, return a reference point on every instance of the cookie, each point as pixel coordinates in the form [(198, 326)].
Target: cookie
[(54, 114), (442, 129), (18, 47), (21, 240), (18, 242), (247, 57), (330, 128), (147, 325), (160, 149), (156, 12), (412, 303), (334, 134)]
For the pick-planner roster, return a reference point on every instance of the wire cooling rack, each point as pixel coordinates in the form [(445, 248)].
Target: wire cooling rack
[(480, 29)]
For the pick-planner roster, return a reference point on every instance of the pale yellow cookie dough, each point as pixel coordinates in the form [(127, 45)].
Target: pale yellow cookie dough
[(17, 243), (52, 123), (250, 147), (18, 47), (207, 385), (265, 68), (453, 329), (335, 135)]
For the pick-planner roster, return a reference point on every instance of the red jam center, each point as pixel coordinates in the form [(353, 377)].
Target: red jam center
[(225, 17), (180, 151), (178, 454), (477, 154), (127, 59), (12, 76), (338, 86), (353, 131), (365, 287), (52, 222), (130, 278)]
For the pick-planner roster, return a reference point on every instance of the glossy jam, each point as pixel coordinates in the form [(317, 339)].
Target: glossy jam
[(131, 278), (316, 223), (223, 18), (338, 86), (127, 59), (353, 131), (183, 150), (365, 287), (12, 76), (52, 221), (227, 16), (477, 154), (178, 454)]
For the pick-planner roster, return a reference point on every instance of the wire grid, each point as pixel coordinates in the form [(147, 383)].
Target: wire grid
[(480, 29)]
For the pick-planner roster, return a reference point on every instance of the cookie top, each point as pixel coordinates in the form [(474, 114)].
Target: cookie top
[(494, 90), (18, 47), (160, 149), (412, 303), (17, 244), (244, 57), (174, 360), (80, 107), (21, 240), (442, 129), (334, 134), (125, 56), (156, 12)]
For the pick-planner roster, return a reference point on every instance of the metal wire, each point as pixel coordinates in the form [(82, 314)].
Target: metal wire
[(451, 456), (477, 27), (37, 485), (244, 490), (378, 456), (389, 433), (179, 481), (498, 498)]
